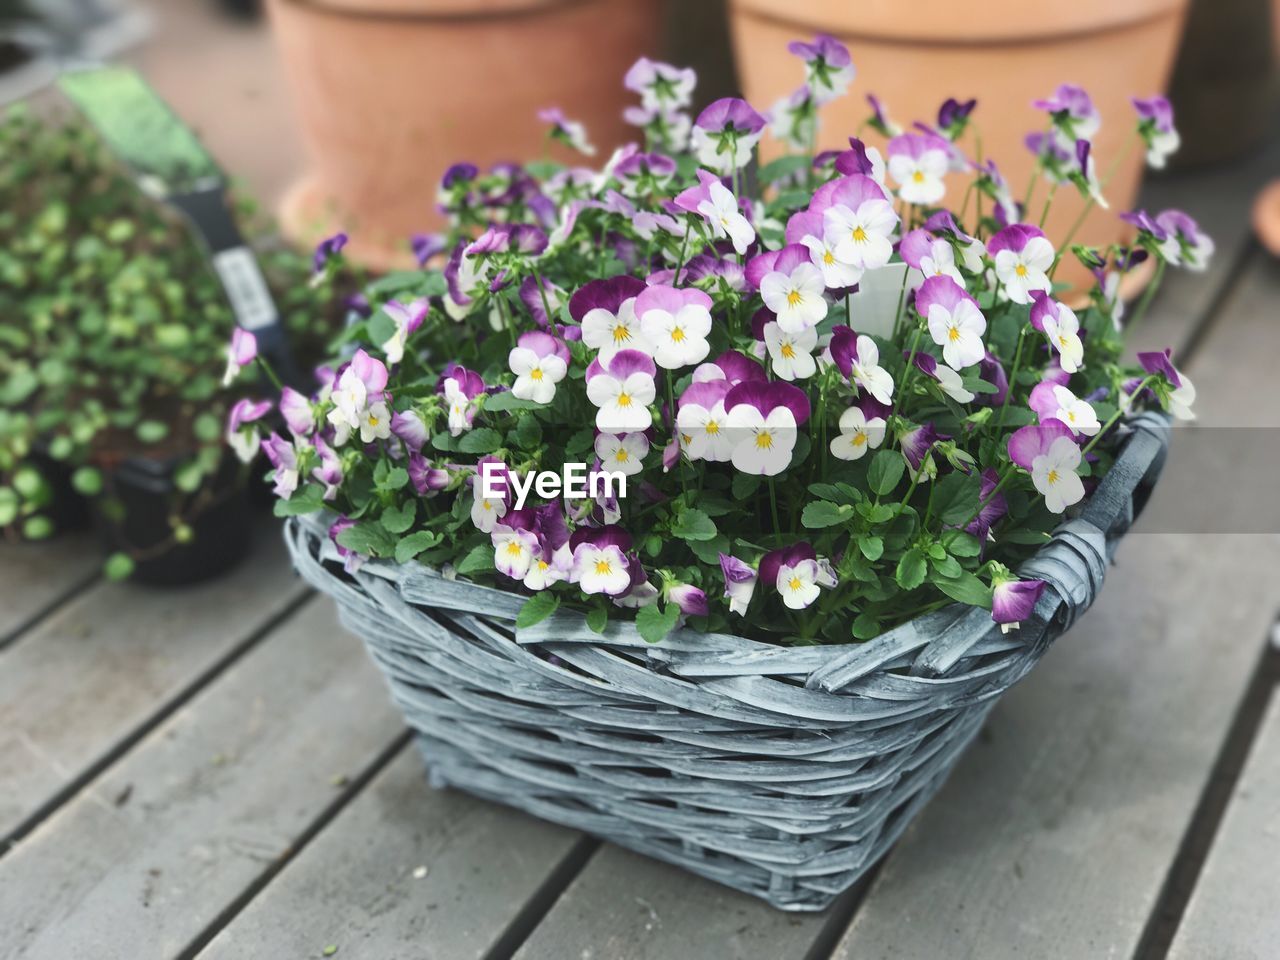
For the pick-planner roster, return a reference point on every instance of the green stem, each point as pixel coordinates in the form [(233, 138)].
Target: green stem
[(773, 508), (1013, 377), (906, 376), (957, 530), (1147, 296), (1111, 420)]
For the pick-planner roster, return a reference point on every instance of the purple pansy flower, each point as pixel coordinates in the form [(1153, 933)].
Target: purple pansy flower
[(763, 419), (858, 358), (408, 318), (691, 600), (299, 415), (1049, 452), (739, 583), (351, 561), (1023, 257), (796, 573), (622, 389), (1073, 114), (917, 442), (954, 320), (242, 430), (241, 351), (918, 162), (828, 66), (569, 132), (993, 509), (283, 457), (726, 133), (329, 470), (327, 248), (1155, 125), (1182, 393), (1012, 601)]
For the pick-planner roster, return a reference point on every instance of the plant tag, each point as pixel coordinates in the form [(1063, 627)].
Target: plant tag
[(246, 288)]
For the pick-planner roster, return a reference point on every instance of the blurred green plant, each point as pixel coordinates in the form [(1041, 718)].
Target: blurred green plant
[(113, 327)]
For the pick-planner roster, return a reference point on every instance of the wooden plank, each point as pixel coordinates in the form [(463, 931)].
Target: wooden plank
[(358, 886), (1062, 826), (148, 856), (34, 577), (627, 907), (95, 673), (1232, 913)]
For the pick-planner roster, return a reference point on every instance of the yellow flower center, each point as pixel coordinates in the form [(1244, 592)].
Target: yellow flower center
[(858, 439), (1071, 416), (622, 456), (788, 351), (536, 373), (686, 439), (827, 258), (624, 399), (953, 334), (918, 176), (713, 427), (677, 335), (621, 333), (764, 440), (514, 549), (794, 299), (543, 565), (859, 234), (1052, 477), (603, 568), (1062, 339), (1020, 270), (795, 584), (373, 421)]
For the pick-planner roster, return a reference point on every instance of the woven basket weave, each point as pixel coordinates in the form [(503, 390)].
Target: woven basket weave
[(783, 772)]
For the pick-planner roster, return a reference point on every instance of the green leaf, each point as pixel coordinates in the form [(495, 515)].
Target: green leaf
[(207, 428), (948, 567), (369, 539), (966, 588), (501, 402), (37, 528), (822, 513), (877, 512), (189, 476), (414, 544), (308, 499), (745, 485), (964, 545), (776, 170), (484, 440), (872, 548), (708, 551), (911, 569), (836, 492), (654, 624), (399, 519), (87, 481), (598, 619), (537, 608), (865, 627), (528, 433), (955, 497), (118, 566), (152, 431), (479, 560), (886, 470), (694, 525)]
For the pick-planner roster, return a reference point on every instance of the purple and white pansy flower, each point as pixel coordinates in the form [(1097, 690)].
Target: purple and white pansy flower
[(763, 419), (858, 434), (241, 351), (622, 389), (1014, 600), (828, 66), (1023, 257), (955, 322), (726, 133), (408, 318), (1049, 452), (793, 288), (460, 388), (1061, 327), (600, 561), (1053, 401), (359, 404), (1181, 393), (949, 381), (702, 423), (242, 427), (918, 164), (622, 452), (797, 573), (569, 132), (606, 311), (1071, 113), (539, 361), (1155, 126), (739, 583), (674, 323), (858, 358)]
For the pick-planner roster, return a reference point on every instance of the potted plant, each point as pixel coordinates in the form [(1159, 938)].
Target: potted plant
[(388, 92), (666, 524), (1000, 52), (111, 376)]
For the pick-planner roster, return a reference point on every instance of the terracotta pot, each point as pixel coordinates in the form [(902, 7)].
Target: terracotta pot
[(391, 92), (1004, 52)]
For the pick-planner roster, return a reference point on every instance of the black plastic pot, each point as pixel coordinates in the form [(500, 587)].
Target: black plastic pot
[(66, 508), (218, 514)]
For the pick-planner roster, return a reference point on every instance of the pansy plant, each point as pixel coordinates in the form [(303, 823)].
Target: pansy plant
[(842, 393)]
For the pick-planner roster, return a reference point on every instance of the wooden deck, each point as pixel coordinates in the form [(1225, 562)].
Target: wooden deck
[(217, 772)]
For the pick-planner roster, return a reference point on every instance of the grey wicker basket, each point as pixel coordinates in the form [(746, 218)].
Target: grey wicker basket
[(783, 772)]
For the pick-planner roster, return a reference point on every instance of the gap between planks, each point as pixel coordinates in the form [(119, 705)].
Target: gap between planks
[(153, 720), (348, 793), (1193, 851)]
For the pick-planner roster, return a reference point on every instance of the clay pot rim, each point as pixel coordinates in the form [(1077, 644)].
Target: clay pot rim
[(433, 11), (1266, 217), (897, 30)]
